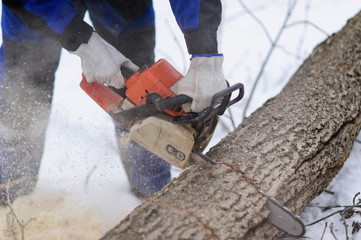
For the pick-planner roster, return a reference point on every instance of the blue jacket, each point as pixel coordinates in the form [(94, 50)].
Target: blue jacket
[(59, 19)]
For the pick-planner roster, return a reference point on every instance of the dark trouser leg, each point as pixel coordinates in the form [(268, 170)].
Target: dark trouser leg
[(147, 173), (26, 94)]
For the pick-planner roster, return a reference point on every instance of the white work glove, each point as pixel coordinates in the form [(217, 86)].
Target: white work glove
[(203, 79), (101, 62)]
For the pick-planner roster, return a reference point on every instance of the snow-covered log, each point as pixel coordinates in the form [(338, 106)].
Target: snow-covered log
[(291, 148)]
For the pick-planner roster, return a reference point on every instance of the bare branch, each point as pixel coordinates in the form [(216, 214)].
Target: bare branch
[(10, 225), (308, 23), (12, 213), (283, 49), (331, 229), (257, 20), (305, 27), (274, 44), (345, 224), (231, 118), (324, 230), (321, 219), (261, 6), (354, 199)]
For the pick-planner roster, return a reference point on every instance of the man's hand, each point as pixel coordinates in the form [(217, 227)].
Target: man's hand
[(203, 79), (101, 62)]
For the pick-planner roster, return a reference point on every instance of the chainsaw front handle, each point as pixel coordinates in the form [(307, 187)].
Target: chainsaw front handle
[(219, 103)]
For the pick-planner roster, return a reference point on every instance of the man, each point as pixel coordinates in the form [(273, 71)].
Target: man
[(34, 32)]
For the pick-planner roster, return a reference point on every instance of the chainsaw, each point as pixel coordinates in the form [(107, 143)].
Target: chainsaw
[(152, 112)]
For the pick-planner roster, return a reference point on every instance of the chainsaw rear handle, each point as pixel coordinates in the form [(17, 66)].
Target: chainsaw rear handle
[(105, 97)]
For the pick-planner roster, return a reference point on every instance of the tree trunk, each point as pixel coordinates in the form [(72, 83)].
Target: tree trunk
[(291, 148)]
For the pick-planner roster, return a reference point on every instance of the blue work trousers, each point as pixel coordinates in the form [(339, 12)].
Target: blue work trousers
[(28, 61)]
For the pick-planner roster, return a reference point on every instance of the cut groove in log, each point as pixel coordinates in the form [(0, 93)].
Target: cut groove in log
[(291, 148)]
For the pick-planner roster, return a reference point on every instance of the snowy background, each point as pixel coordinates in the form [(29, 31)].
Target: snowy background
[(83, 190)]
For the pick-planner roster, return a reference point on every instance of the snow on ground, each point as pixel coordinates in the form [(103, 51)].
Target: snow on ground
[(343, 189), (81, 169)]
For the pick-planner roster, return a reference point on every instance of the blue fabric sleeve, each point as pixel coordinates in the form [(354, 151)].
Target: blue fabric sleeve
[(186, 13), (199, 21), (58, 19), (56, 13)]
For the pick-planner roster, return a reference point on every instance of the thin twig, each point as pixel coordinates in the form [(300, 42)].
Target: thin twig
[(231, 118), (321, 219), (345, 224), (261, 6), (308, 23), (12, 212), (354, 199), (338, 206), (329, 192), (304, 33), (273, 45), (225, 126), (10, 225), (257, 20), (237, 65), (331, 229), (324, 230), (283, 49), (21, 223)]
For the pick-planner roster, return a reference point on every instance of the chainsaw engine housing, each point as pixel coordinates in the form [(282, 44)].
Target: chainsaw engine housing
[(170, 141)]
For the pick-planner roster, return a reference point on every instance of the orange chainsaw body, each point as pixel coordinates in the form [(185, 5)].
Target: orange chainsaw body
[(158, 78)]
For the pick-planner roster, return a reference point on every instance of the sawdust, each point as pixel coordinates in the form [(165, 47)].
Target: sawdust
[(51, 217)]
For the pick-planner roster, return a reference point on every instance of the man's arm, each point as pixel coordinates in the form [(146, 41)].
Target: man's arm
[(57, 18), (60, 19)]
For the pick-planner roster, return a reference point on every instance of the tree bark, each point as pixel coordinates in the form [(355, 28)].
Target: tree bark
[(291, 148)]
